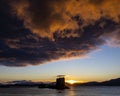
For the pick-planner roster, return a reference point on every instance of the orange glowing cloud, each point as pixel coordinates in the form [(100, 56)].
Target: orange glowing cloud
[(44, 18)]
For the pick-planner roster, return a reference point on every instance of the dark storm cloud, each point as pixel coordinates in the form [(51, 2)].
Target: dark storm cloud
[(34, 32), (40, 16)]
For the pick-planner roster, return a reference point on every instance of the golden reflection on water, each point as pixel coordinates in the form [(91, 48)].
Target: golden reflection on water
[(71, 91), (66, 92)]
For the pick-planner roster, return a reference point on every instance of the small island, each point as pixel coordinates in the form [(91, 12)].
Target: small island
[(60, 83)]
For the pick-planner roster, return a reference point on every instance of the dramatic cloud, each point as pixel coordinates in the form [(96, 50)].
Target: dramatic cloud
[(33, 32), (45, 17)]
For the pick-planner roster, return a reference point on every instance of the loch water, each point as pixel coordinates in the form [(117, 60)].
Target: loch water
[(73, 91)]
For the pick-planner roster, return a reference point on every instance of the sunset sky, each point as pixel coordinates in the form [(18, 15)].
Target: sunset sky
[(40, 39)]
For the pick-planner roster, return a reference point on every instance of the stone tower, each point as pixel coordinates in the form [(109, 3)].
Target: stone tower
[(60, 82)]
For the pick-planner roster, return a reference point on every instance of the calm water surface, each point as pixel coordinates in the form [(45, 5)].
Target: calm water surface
[(73, 91)]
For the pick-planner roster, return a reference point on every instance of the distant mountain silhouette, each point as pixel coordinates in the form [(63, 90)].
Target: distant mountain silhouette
[(112, 82), (20, 83), (24, 83)]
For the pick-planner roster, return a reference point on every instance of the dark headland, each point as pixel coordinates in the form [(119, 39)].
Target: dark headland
[(112, 82)]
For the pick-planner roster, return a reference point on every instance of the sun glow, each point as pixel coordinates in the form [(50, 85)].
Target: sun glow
[(71, 81)]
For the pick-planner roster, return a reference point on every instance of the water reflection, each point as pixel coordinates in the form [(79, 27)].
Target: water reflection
[(60, 92), (66, 92), (73, 91)]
